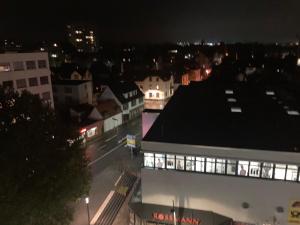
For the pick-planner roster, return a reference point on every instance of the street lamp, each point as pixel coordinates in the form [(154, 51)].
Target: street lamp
[(174, 213), (87, 201)]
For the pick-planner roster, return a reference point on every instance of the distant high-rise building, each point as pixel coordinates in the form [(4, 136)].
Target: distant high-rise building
[(82, 37)]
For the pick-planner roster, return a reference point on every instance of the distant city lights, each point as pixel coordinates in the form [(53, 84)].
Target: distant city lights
[(298, 62), (53, 55)]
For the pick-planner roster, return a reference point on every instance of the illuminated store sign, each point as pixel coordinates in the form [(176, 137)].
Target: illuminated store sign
[(163, 217)]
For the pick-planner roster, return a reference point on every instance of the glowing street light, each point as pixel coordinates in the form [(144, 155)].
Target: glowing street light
[(87, 201)]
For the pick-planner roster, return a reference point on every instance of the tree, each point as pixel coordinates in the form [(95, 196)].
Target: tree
[(41, 173)]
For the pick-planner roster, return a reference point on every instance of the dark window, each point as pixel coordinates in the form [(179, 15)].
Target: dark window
[(8, 84), (133, 102), (68, 99), (18, 66), (125, 106), (33, 82), (21, 83), (42, 64), (157, 79), (30, 65), (141, 100), (157, 95), (44, 80), (150, 78), (68, 90), (46, 96)]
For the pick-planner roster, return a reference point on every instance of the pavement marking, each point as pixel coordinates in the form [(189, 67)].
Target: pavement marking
[(122, 139), (102, 207), (119, 179), (106, 154), (101, 147), (112, 137)]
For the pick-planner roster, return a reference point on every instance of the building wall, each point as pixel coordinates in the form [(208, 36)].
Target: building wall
[(148, 118), (221, 194), (112, 122), (14, 75), (159, 89), (80, 94)]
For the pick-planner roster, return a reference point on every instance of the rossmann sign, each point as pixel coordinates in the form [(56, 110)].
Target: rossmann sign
[(169, 218), (294, 212)]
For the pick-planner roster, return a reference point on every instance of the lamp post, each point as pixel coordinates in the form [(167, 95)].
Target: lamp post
[(174, 213), (87, 201)]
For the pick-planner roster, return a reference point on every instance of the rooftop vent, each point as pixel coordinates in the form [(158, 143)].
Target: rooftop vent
[(231, 100), (228, 92), (270, 93), (293, 112), (236, 109)]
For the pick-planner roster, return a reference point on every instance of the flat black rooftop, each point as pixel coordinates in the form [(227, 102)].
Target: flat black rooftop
[(200, 114)]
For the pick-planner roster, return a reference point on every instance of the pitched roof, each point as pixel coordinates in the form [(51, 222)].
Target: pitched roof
[(69, 82), (121, 87), (108, 108)]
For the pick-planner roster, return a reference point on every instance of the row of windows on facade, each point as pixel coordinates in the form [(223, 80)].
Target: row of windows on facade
[(157, 87), (68, 90), (157, 95), (20, 65), (21, 83), (232, 167), (133, 103), (130, 94)]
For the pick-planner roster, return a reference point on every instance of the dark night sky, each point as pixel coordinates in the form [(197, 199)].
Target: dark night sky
[(155, 20)]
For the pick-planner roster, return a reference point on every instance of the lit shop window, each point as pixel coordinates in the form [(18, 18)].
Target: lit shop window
[(231, 167), (267, 170), (243, 168), (280, 171), (190, 163), (149, 159), (254, 170), (210, 165), (170, 161), (291, 172), (91, 132), (221, 166), (159, 160), (4, 67), (200, 164), (179, 162)]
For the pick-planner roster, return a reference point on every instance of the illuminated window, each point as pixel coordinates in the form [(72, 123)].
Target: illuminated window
[(231, 100), (159, 160), (210, 165), (236, 109), (243, 168), (291, 172), (254, 170), (267, 170), (4, 67), (149, 160), (190, 163), (280, 171), (157, 87), (231, 167), (270, 93), (170, 161), (221, 166), (228, 92), (200, 164), (179, 162), (78, 40), (293, 112)]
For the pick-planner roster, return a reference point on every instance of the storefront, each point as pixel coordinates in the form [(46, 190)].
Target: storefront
[(150, 214), (90, 131)]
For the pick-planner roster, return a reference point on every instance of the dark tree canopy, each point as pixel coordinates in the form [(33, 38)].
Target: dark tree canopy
[(41, 174)]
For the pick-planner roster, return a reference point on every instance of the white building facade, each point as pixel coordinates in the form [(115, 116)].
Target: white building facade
[(27, 71)]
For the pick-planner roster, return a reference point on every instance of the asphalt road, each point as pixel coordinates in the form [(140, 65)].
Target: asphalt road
[(108, 158)]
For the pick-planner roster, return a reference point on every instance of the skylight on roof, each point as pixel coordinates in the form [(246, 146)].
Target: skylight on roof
[(231, 100), (236, 109), (293, 112), (270, 93), (228, 92)]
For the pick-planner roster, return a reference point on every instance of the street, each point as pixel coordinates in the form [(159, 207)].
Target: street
[(108, 157)]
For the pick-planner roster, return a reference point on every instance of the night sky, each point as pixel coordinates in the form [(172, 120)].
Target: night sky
[(155, 20)]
